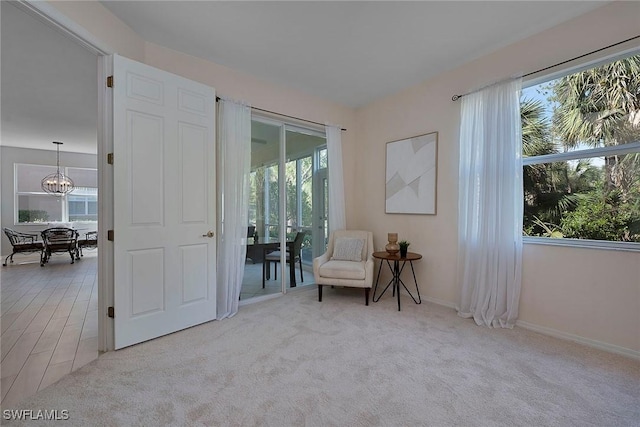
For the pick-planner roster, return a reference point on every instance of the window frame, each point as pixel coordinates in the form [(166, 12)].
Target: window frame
[(630, 148)]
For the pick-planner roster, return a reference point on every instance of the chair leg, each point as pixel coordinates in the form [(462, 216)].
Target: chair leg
[(366, 296), (292, 274), (5, 260), (73, 256), (264, 271), (301, 276), (320, 293)]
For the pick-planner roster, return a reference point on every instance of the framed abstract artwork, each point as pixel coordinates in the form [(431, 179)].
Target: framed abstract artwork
[(411, 175)]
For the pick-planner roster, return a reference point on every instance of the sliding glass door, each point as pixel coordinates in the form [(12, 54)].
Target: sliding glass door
[(285, 209)]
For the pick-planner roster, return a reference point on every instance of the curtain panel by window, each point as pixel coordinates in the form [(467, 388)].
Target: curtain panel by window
[(337, 215), (234, 162), (490, 205)]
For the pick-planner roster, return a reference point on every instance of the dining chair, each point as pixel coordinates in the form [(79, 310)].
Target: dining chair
[(59, 240), (22, 243), (292, 256), (90, 241)]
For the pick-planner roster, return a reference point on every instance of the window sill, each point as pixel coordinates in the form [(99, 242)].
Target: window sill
[(585, 244)]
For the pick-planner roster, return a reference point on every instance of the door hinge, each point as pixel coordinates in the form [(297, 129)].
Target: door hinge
[(110, 312), (110, 235), (110, 158), (110, 81)]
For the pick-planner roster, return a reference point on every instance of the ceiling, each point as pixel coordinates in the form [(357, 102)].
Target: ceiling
[(49, 86), (265, 144), (349, 52)]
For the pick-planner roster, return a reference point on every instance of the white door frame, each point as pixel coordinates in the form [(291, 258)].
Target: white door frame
[(52, 16)]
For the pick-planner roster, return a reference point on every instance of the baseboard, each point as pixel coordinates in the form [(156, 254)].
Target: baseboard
[(611, 348), (581, 340), (442, 302), (259, 299)]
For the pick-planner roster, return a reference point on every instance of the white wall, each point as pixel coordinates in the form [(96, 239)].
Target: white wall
[(11, 155), (590, 294)]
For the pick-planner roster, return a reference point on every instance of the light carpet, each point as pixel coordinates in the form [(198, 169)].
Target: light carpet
[(293, 361)]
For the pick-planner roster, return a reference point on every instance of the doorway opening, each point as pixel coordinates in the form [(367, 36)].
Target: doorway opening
[(50, 321), (287, 160)]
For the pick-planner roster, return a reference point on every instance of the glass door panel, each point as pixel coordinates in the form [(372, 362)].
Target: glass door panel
[(285, 160), (302, 166), (263, 229)]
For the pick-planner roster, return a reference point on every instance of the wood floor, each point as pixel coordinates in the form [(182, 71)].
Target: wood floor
[(49, 320)]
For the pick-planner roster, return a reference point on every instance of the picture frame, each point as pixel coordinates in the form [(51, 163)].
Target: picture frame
[(411, 175)]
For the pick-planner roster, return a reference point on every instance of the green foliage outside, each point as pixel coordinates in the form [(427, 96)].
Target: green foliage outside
[(585, 199), (257, 191), (32, 215), (599, 220)]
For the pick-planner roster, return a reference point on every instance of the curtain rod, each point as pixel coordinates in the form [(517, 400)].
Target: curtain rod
[(286, 115), (456, 97)]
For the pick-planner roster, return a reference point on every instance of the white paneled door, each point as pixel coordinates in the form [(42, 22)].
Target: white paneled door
[(164, 202)]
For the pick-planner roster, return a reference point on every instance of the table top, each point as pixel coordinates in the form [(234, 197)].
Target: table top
[(411, 256), (269, 242)]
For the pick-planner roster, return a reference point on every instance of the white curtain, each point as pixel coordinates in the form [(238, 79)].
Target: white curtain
[(337, 216), (234, 161), (490, 205)]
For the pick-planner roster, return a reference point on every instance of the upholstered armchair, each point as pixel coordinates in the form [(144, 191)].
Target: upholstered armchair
[(347, 262)]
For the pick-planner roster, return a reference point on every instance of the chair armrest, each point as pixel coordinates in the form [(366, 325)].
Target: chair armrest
[(317, 262), (368, 271), (26, 237), (320, 260)]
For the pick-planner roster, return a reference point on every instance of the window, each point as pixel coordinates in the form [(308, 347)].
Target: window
[(323, 159), (34, 205), (581, 154), (83, 204)]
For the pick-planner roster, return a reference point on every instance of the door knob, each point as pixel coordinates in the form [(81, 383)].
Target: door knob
[(209, 234)]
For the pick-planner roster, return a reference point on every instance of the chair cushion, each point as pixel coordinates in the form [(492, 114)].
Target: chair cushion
[(18, 247), (348, 249), (343, 270)]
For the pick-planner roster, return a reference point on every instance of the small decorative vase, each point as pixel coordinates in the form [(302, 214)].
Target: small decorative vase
[(392, 247), (403, 252)]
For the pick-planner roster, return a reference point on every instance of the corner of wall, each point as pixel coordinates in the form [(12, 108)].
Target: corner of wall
[(104, 26)]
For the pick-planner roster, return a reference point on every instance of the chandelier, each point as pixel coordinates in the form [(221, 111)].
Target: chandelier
[(57, 184)]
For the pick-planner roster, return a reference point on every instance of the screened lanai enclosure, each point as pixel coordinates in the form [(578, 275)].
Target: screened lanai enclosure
[(287, 206)]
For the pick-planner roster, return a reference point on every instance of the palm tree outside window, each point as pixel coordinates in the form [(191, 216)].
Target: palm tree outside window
[(581, 149)]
